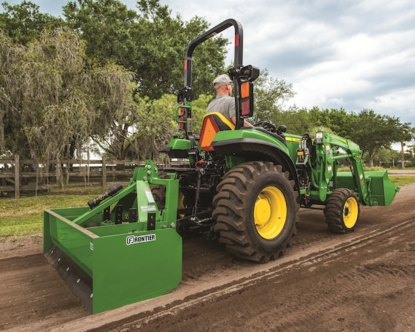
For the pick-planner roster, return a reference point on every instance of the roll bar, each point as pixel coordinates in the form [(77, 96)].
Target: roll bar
[(238, 74), (239, 37)]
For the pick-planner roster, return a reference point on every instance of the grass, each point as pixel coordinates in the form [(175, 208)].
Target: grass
[(366, 169), (400, 169), (402, 180), (25, 216)]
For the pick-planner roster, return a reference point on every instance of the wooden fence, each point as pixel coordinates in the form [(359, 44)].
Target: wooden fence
[(13, 175)]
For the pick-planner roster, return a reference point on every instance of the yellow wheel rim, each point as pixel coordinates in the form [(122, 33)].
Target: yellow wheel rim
[(350, 212), (270, 212)]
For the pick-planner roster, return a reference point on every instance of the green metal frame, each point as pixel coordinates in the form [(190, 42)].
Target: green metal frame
[(372, 188), (123, 273)]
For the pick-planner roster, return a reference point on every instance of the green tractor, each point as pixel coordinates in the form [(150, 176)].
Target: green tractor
[(243, 185)]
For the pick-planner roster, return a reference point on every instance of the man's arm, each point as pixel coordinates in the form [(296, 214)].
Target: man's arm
[(246, 123)]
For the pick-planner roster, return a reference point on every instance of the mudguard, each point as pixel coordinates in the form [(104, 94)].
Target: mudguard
[(253, 145)]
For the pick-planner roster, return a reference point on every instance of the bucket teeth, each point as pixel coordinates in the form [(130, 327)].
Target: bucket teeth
[(79, 282)]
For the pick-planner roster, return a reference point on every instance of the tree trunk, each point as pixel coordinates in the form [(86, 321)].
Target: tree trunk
[(402, 156), (371, 157), (120, 151)]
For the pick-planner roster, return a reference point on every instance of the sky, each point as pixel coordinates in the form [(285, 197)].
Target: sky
[(350, 54)]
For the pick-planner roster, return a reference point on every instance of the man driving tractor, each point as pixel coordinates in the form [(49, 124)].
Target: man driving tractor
[(224, 103)]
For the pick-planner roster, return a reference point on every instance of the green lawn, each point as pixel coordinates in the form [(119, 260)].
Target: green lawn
[(24, 216), (402, 180)]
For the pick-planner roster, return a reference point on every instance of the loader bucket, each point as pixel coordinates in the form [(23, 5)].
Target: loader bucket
[(382, 191), (113, 258)]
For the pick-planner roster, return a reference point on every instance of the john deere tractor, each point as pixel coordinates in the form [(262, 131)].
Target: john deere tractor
[(242, 185)]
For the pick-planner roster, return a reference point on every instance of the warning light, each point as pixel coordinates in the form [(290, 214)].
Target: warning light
[(245, 90), (247, 99), (245, 108)]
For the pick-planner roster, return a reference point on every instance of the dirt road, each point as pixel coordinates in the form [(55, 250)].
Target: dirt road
[(404, 172), (362, 281)]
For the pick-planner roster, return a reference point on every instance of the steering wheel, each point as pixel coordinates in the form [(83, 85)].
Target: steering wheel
[(267, 125)]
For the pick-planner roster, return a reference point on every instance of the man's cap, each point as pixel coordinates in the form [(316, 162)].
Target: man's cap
[(221, 80)]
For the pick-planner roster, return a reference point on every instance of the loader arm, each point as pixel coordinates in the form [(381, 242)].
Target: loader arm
[(372, 188), (331, 158)]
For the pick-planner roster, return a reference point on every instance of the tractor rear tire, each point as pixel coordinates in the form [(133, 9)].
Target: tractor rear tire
[(342, 211), (256, 211)]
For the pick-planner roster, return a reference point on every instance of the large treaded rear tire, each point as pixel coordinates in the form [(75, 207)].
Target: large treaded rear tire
[(342, 211), (236, 216)]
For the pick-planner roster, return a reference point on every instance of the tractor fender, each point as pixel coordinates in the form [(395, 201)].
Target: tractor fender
[(252, 149)]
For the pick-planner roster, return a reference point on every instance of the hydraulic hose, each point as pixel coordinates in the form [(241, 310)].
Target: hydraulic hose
[(108, 193)]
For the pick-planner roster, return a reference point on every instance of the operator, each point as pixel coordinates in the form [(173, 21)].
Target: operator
[(224, 103)]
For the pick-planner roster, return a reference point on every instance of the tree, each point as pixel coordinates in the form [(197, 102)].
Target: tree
[(51, 98), (338, 120), (146, 129), (404, 133), (372, 132), (107, 26), (151, 43), (142, 132), (269, 97), (24, 23), (383, 158), (297, 121)]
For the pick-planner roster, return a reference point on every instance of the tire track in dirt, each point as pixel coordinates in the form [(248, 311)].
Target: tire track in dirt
[(298, 309), (331, 296), (351, 282), (207, 262)]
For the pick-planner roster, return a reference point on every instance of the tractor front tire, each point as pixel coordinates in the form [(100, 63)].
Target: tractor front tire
[(256, 211), (342, 211)]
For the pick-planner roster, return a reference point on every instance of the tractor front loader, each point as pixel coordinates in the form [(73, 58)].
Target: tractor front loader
[(243, 186)]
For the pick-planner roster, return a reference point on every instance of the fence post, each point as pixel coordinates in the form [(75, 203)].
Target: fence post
[(104, 174), (16, 177)]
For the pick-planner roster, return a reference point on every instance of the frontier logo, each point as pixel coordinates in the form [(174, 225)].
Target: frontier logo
[(131, 239)]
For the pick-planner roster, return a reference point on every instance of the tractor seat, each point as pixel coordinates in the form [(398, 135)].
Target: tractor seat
[(212, 124), (220, 120)]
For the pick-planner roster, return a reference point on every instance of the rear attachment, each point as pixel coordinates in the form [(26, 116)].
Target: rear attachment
[(122, 250)]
